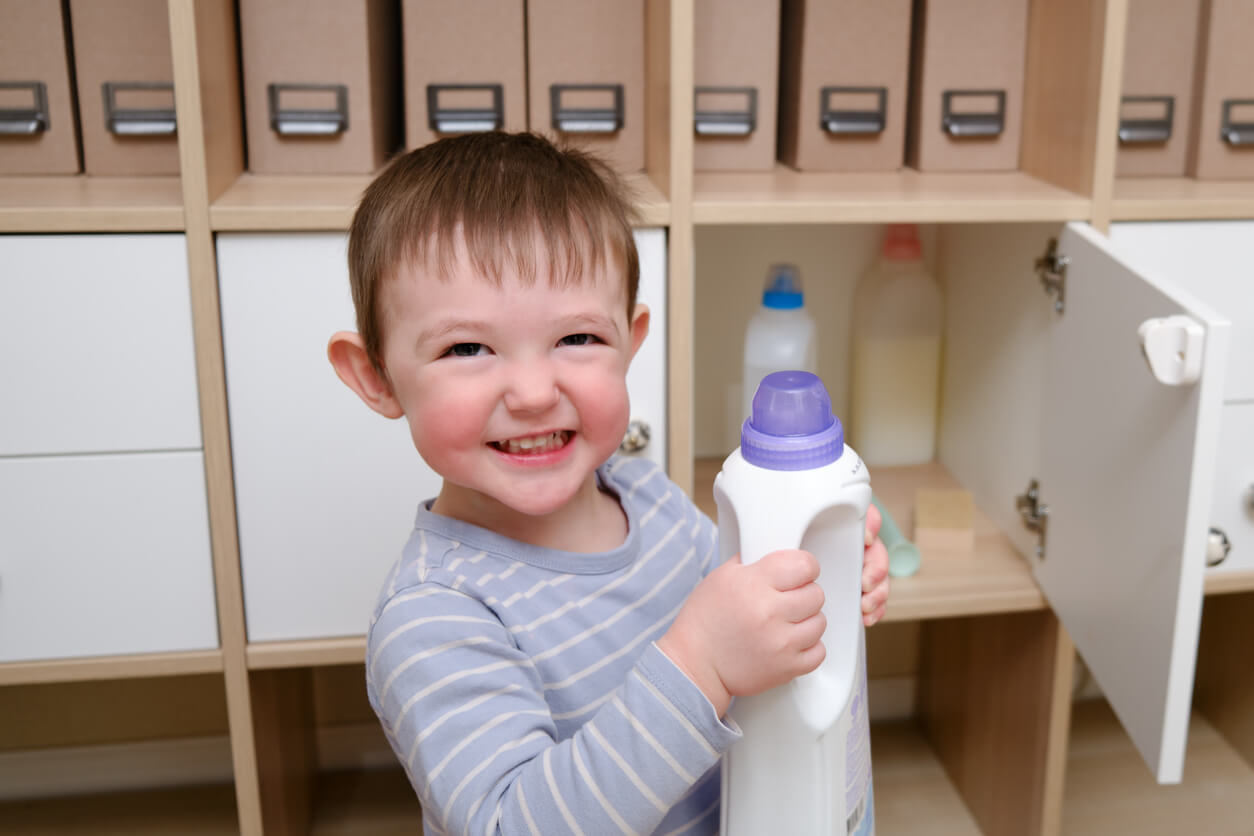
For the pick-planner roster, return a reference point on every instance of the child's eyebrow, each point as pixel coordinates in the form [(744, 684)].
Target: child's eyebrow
[(442, 329), (592, 321)]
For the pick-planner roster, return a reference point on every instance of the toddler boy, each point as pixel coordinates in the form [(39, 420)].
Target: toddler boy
[(556, 648)]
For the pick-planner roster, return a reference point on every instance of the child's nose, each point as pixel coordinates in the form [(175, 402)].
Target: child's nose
[(532, 388)]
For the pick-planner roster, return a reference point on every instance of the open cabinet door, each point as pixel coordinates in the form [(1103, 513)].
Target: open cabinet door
[(1128, 465)]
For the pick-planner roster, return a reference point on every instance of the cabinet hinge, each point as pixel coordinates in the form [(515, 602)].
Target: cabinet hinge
[(1035, 514), (1051, 268)]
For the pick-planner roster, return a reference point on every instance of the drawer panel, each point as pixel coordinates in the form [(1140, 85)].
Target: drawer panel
[(104, 555), (103, 327), (325, 488)]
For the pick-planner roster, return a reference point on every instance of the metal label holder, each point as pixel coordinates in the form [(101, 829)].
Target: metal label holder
[(587, 120), (843, 121), (723, 122), (135, 121), (25, 121), (1143, 131), (1238, 134), (973, 125), (465, 120), (308, 121)]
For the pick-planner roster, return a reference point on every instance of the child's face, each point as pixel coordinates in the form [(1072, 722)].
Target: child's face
[(513, 394)]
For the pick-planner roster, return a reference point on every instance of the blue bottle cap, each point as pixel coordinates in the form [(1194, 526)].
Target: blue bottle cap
[(783, 288), (792, 426)]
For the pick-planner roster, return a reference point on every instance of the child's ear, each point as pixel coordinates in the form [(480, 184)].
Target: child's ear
[(639, 327), (347, 354)]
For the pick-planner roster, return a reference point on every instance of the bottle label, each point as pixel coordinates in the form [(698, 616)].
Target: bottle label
[(858, 794)]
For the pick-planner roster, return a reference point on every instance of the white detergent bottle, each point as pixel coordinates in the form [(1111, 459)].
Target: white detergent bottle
[(803, 767), (781, 333), (896, 355)]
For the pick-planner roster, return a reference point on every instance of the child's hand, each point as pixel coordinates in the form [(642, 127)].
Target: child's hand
[(745, 629), (874, 570)]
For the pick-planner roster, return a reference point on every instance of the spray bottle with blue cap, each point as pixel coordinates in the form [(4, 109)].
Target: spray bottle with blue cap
[(803, 766)]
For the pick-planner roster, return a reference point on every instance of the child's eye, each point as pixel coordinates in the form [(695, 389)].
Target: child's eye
[(579, 339), (466, 350)]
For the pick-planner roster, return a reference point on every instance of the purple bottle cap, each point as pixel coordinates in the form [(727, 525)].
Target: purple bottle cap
[(792, 426)]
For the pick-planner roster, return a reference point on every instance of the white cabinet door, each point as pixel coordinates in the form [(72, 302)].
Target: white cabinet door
[(646, 379), (104, 555), (1127, 469), (1211, 260), (325, 488), (96, 332)]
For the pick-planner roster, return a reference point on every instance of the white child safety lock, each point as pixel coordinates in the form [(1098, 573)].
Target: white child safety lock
[(1172, 346)]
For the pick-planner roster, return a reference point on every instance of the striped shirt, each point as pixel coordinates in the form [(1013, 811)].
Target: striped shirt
[(520, 686)]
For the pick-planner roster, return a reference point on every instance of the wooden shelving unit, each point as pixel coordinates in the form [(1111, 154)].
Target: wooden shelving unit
[(963, 768)]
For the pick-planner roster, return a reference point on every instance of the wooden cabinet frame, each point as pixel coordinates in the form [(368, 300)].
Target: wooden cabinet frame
[(996, 666)]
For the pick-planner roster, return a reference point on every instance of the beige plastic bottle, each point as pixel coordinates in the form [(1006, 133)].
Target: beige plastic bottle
[(896, 355)]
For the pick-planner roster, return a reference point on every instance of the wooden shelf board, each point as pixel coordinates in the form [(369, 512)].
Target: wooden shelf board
[(1218, 583), (188, 811), (912, 792), (1109, 789), (350, 650), (1180, 199), (784, 195), (257, 202), (79, 203), (994, 579), (111, 667)]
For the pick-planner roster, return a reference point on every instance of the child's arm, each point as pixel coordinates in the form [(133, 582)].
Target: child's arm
[(465, 711)]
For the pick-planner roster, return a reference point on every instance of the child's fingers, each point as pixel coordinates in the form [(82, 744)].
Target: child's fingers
[(808, 633), (801, 603), (789, 568), (874, 566), (873, 617), (875, 598), (873, 522)]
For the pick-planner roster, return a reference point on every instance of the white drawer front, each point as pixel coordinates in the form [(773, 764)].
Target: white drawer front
[(103, 327), (646, 379), (325, 488), (1232, 504), (104, 555)]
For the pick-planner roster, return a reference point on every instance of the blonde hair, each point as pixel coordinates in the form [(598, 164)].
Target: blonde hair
[(515, 200)]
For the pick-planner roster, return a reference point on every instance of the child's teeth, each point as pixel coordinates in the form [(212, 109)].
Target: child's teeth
[(540, 442)]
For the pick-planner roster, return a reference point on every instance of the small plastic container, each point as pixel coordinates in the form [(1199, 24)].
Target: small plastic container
[(781, 334), (898, 317)]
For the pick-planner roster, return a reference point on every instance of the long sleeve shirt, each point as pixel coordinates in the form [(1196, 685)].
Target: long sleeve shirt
[(521, 688)]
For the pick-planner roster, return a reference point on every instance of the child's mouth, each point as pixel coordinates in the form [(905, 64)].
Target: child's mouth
[(534, 444)]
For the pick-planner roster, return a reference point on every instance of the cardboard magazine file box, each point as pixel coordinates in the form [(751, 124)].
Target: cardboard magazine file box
[(465, 67), (843, 84), (38, 134), (585, 76), (1160, 52), (1223, 131), (967, 84), (125, 76), (736, 80), (321, 85)]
